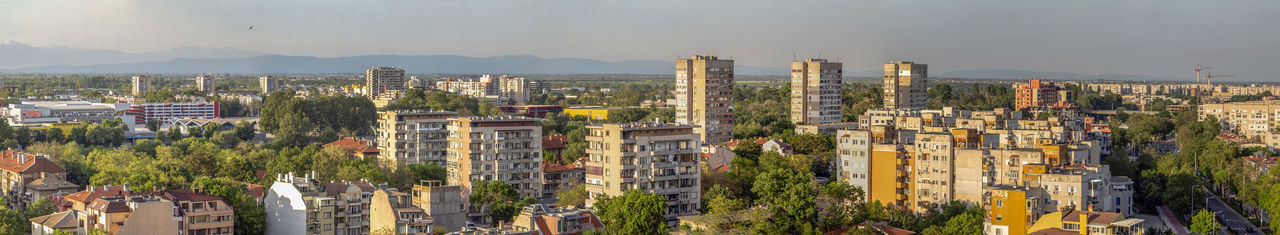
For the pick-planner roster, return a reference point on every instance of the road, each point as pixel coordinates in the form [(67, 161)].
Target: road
[(1230, 219)]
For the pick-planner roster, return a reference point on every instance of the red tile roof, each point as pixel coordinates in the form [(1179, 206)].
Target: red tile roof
[(16, 161), (355, 145), (554, 141), (256, 190), (722, 169), (553, 167), (93, 193)]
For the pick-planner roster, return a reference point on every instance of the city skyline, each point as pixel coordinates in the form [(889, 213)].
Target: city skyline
[(1111, 38)]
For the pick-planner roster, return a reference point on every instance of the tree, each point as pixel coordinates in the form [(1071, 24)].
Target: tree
[(415, 173), (245, 131), (498, 199), (1204, 222), (327, 136), (250, 218), (11, 222), (574, 197), (6, 131), (23, 134), (789, 196), (153, 124), (55, 135), (635, 212), (965, 223)]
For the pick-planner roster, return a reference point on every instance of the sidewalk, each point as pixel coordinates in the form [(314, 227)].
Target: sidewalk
[(1170, 221)]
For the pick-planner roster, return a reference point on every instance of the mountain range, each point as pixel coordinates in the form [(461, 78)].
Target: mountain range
[(22, 58)]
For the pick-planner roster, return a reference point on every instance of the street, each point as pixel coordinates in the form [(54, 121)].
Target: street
[(1230, 219)]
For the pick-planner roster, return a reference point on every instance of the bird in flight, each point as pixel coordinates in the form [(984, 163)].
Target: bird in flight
[(250, 27)]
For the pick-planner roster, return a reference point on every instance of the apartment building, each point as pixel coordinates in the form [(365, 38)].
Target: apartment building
[(392, 210), (504, 90), (853, 148), (383, 79), (1012, 210), (25, 178), (539, 219), (268, 84), (815, 91), (557, 178), (504, 148), (1252, 119), (933, 170), (305, 205), (906, 85), (205, 83), (1076, 186), (1036, 93), (412, 136), (141, 84), (1078, 221), (659, 158), (201, 213), (445, 205), (704, 97)]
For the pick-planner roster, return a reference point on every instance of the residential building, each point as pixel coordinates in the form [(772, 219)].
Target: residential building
[(305, 205), (554, 144), (933, 170), (25, 178), (504, 90), (1075, 186), (654, 157), (556, 221), (503, 148), (205, 84), (853, 151), (393, 211), (889, 178), (268, 84), (201, 213), (135, 214), (446, 205), (1252, 119), (1122, 195), (80, 200), (704, 97), (1036, 93), (557, 178), (1012, 209), (52, 223), (412, 136), (906, 85), (379, 80), (141, 84), (815, 91)]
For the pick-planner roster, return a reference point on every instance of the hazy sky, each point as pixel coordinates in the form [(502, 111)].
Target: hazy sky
[(1165, 38)]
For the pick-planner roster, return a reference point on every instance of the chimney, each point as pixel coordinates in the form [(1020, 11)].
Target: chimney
[(126, 187), (1084, 222)]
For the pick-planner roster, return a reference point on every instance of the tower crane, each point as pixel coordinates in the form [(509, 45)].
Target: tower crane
[(1198, 68), (1208, 77)]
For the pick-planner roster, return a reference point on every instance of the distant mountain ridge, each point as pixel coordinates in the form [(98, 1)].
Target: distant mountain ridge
[(438, 64), (22, 58), (15, 55)]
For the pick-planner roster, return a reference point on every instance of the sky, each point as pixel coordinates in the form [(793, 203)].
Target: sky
[(1158, 38)]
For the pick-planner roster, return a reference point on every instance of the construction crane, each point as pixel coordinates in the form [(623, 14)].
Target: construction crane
[(1198, 68), (1208, 77)]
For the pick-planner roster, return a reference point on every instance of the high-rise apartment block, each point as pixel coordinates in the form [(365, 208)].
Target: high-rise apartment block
[(1251, 119), (906, 85), (659, 158), (815, 91), (704, 97), (503, 148), (1037, 94), (383, 79), (205, 84), (141, 84), (268, 84), (412, 136)]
